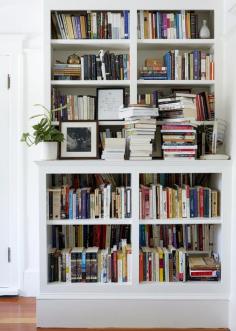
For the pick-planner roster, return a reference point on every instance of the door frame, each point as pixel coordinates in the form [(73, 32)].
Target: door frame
[(12, 46)]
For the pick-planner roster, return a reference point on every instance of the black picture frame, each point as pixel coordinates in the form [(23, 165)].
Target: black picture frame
[(79, 154)]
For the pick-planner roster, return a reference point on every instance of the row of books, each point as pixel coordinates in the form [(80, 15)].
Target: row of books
[(176, 265), (167, 25), (161, 202), (91, 25), (78, 107), (192, 65), (195, 237), (91, 264), (102, 66), (150, 99), (102, 236), (83, 203), (178, 140)]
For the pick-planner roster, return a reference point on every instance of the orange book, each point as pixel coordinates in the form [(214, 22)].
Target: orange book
[(146, 24)]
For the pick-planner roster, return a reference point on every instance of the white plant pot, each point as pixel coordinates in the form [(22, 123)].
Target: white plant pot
[(48, 151)]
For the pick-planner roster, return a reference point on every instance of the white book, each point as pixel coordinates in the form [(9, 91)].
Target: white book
[(82, 68)]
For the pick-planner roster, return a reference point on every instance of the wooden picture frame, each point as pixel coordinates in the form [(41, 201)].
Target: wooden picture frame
[(81, 140), (107, 99)]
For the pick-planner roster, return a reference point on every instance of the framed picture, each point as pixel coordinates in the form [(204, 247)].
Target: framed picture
[(81, 140), (109, 101)]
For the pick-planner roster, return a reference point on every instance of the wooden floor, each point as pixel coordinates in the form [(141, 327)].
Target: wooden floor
[(18, 314)]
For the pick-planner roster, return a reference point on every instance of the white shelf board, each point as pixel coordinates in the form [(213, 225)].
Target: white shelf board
[(143, 82), (56, 123), (180, 43), (94, 83), (171, 221), (179, 284), (89, 44), (96, 221)]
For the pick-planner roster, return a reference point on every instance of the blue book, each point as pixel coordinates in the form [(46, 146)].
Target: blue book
[(77, 205), (167, 61), (191, 198), (71, 204), (158, 25), (83, 204), (196, 64), (87, 205), (83, 265), (126, 20), (142, 236), (206, 202), (177, 25)]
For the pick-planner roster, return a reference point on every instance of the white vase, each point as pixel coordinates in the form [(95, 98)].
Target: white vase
[(204, 31), (48, 150)]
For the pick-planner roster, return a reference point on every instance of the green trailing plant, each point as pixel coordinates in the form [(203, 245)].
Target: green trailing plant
[(43, 131)]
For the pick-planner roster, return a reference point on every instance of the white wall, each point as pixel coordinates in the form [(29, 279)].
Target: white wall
[(27, 18), (230, 104)]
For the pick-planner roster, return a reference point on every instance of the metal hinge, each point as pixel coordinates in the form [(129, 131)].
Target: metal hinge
[(9, 254), (8, 81)]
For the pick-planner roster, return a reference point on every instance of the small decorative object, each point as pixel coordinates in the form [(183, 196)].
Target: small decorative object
[(81, 140), (204, 31), (44, 133), (73, 59), (109, 100), (215, 139)]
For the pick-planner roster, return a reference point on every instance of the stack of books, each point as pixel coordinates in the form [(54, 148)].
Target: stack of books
[(153, 69), (65, 71), (167, 25), (179, 141), (179, 107), (90, 25), (203, 268), (114, 149), (140, 128)]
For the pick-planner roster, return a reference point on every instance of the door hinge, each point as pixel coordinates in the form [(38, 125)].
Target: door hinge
[(9, 254), (8, 81)]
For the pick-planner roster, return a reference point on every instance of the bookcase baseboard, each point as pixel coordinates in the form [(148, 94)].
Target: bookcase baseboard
[(102, 313)]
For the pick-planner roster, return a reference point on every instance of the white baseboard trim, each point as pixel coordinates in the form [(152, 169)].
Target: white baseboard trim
[(8, 291), (30, 283), (132, 313)]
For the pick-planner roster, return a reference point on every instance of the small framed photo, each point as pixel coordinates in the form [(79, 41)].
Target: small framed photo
[(81, 140), (109, 101)]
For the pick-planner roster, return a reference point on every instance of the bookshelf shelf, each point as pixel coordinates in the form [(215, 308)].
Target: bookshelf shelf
[(96, 221), (216, 220), (90, 44), (94, 83), (142, 82), (149, 44)]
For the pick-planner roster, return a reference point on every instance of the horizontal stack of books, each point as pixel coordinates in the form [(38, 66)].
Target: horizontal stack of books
[(102, 202), (79, 107), (65, 71), (179, 141), (163, 264), (90, 264), (158, 202), (194, 237), (167, 25), (194, 65), (140, 128), (203, 268), (114, 149), (153, 69), (91, 25)]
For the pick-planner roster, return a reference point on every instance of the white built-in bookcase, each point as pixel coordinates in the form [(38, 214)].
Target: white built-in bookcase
[(134, 304)]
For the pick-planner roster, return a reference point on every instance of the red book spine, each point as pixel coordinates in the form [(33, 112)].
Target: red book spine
[(200, 238), (176, 127), (201, 202)]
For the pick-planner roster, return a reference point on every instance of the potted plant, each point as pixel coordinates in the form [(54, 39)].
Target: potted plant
[(44, 133)]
